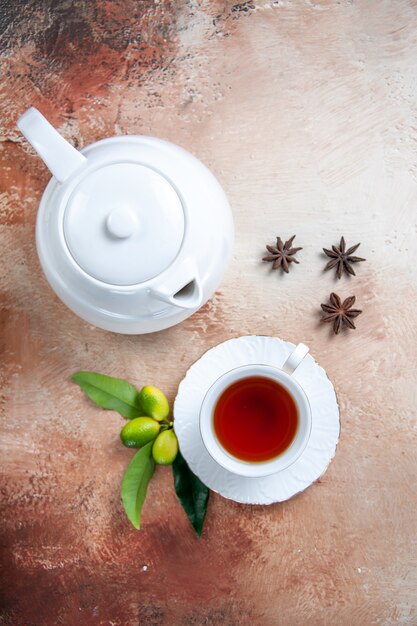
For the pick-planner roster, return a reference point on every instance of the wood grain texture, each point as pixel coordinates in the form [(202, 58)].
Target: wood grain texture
[(306, 112)]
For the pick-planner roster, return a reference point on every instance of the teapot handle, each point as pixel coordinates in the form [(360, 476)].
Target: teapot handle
[(59, 156), (180, 286)]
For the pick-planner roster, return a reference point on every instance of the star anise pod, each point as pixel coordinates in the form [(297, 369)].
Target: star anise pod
[(342, 259), (340, 313), (282, 254)]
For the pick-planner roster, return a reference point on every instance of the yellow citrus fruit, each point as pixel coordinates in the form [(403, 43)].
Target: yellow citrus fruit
[(139, 431), (154, 403), (165, 448)]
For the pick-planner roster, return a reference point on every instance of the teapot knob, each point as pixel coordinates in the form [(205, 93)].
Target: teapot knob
[(121, 222)]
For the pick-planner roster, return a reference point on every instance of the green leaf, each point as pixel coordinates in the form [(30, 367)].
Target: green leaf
[(135, 483), (191, 492), (110, 393)]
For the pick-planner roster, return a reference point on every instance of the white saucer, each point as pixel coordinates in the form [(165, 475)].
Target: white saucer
[(324, 434)]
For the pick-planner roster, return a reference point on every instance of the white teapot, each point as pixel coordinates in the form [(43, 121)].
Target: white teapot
[(133, 233)]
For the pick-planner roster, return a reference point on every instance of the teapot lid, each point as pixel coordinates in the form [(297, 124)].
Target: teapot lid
[(123, 223)]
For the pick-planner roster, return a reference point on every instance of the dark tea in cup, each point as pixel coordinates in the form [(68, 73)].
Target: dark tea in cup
[(255, 419)]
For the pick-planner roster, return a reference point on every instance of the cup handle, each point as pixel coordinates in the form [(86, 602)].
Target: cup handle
[(295, 358)]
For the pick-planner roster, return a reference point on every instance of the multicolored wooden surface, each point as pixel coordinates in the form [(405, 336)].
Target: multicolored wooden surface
[(306, 112)]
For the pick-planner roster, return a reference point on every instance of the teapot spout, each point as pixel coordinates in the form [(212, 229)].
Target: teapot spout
[(181, 287), (60, 157)]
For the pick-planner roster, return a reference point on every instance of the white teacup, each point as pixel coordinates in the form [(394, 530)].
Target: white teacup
[(283, 376)]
